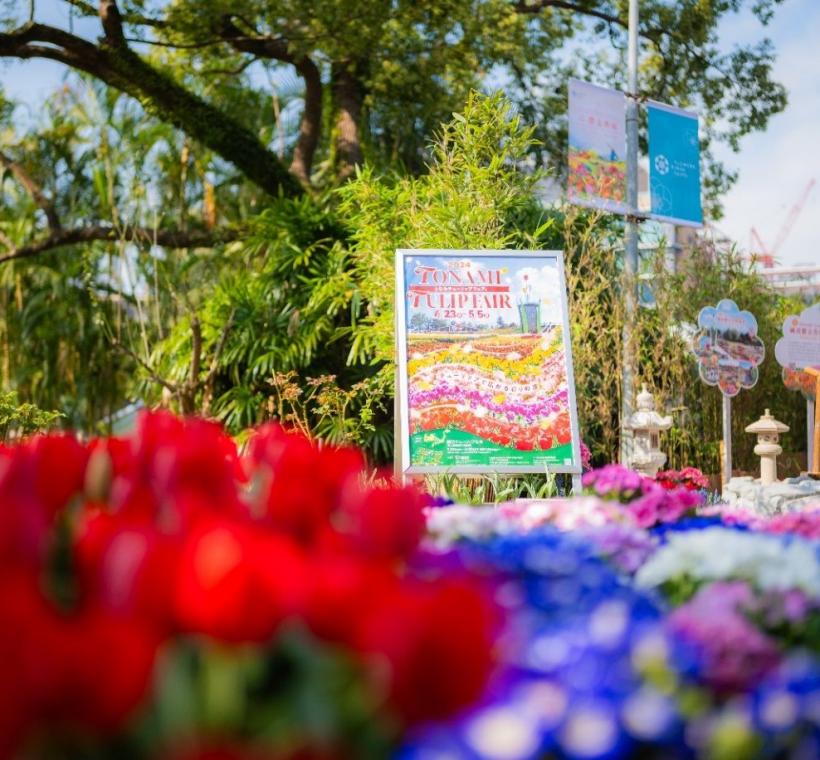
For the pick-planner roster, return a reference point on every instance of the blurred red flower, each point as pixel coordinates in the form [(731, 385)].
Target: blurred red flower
[(437, 641), (238, 584), (299, 484), (385, 522)]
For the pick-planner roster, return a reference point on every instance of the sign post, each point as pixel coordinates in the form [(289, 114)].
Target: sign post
[(728, 352), (726, 465), (484, 363), (815, 458), (631, 234)]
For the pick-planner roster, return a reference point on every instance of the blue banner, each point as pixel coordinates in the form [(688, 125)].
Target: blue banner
[(674, 165)]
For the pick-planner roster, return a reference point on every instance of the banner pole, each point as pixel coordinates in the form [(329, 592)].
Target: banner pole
[(631, 235), (727, 439)]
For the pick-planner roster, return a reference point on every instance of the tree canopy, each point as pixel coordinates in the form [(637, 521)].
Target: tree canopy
[(375, 77), (197, 206)]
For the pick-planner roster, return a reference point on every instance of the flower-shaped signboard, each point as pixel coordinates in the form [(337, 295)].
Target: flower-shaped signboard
[(727, 347), (799, 348)]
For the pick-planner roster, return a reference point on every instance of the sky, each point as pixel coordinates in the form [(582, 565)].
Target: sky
[(774, 166)]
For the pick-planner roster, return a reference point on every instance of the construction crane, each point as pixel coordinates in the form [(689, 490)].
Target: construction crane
[(766, 255)]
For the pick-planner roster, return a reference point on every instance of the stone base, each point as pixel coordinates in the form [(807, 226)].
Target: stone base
[(790, 495)]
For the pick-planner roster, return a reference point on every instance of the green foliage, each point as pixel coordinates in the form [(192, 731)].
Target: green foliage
[(702, 278), (309, 300), (77, 322), (473, 187), (492, 489), (280, 311), (17, 420)]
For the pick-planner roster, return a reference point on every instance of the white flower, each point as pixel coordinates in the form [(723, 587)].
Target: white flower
[(771, 562), (445, 525)]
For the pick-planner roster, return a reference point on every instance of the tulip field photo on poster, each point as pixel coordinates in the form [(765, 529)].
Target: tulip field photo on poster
[(485, 368)]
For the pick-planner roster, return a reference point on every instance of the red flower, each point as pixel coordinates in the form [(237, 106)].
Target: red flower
[(109, 664), (89, 670), (238, 584), (343, 590), (59, 469), (437, 642), (385, 522), (176, 470), (128, 566), (299, 483), (37, 479)]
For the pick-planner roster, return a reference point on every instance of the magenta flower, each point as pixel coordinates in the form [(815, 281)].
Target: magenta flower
[(734, 654)]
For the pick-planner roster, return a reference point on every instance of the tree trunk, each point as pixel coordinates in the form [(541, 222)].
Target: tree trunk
[(348, 95), (311, 123)]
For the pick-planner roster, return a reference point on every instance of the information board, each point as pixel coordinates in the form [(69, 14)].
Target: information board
[(799, 348), (484, 362)]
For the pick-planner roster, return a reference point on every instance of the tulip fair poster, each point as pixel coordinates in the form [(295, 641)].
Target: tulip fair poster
[(485, 366)]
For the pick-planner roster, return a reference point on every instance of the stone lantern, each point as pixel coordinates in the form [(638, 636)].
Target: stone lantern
[(768, 430), (646, 425)]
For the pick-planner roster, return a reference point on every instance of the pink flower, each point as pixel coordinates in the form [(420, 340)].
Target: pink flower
[(734, 654)]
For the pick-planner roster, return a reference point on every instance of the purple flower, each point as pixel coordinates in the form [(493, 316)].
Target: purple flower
[(623, 545), (733, 654)]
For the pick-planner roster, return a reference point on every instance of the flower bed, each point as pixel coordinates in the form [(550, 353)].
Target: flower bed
[(166, 597)]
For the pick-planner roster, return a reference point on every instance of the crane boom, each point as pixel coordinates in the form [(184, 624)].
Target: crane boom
[(794, 212)]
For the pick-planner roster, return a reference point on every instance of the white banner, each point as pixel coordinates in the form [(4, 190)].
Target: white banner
[(597, 147)]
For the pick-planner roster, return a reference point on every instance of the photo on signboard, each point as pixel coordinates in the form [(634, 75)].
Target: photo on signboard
[(728, 348), (484, 363)]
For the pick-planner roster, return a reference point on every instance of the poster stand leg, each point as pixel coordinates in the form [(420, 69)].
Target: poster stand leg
[(727, 440), (809, 433), (398, 466), (576, 485)]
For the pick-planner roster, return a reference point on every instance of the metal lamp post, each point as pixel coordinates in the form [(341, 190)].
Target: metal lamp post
[(631, 233)]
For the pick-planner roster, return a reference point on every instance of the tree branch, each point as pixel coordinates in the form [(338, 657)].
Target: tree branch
[(348, 97), (34, 190), (534, 8), (220, 347), (278, 49), (144, 364), (136, 19), (164, 238), (208, 382), (120, 67), (112, 23)]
